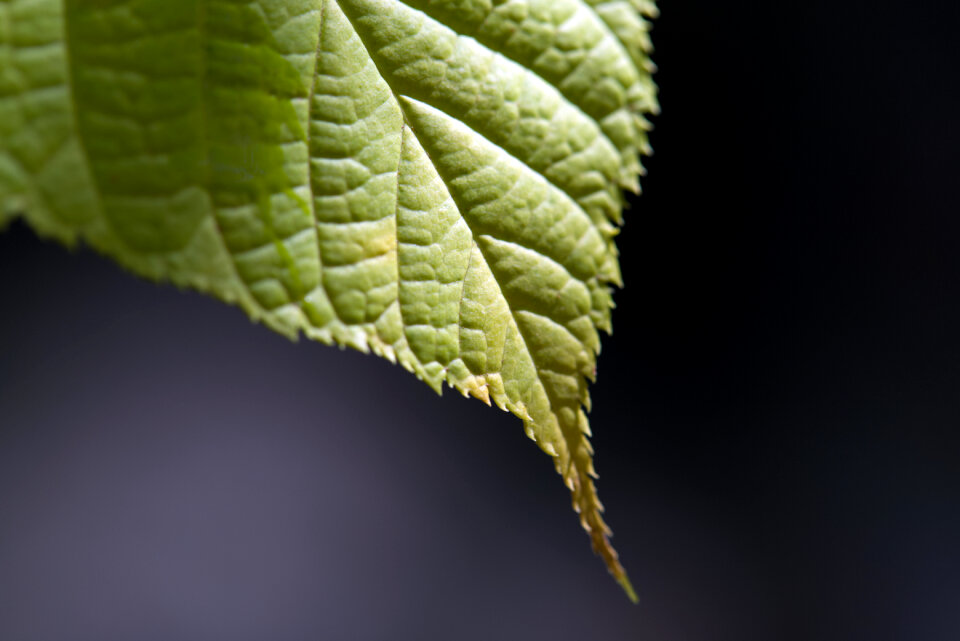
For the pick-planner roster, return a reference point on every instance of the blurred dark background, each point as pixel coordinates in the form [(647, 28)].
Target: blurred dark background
[(777, 416)]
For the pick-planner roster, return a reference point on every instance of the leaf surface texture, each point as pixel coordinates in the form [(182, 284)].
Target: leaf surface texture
[(436, 181)]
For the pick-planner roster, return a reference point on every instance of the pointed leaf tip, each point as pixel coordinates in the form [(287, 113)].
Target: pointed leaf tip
[(624, 582)]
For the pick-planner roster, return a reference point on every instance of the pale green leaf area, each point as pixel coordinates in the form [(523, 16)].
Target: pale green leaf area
[(436, 181)]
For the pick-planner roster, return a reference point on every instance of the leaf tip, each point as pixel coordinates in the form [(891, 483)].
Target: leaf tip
[(624, 582)]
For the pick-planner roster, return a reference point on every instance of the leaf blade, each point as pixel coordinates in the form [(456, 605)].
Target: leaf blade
[(439, 183)]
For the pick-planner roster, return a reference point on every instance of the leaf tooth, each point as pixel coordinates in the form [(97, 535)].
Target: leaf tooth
[(481, 392)]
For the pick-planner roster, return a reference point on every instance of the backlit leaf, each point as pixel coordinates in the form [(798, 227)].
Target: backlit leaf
[(436, 181)]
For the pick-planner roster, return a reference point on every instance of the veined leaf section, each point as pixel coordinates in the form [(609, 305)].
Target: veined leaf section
[(437, 182)]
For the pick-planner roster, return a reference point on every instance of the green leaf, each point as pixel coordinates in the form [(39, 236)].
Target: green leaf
[(436, 181)]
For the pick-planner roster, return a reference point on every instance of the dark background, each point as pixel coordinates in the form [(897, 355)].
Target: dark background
[(777, 416)]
